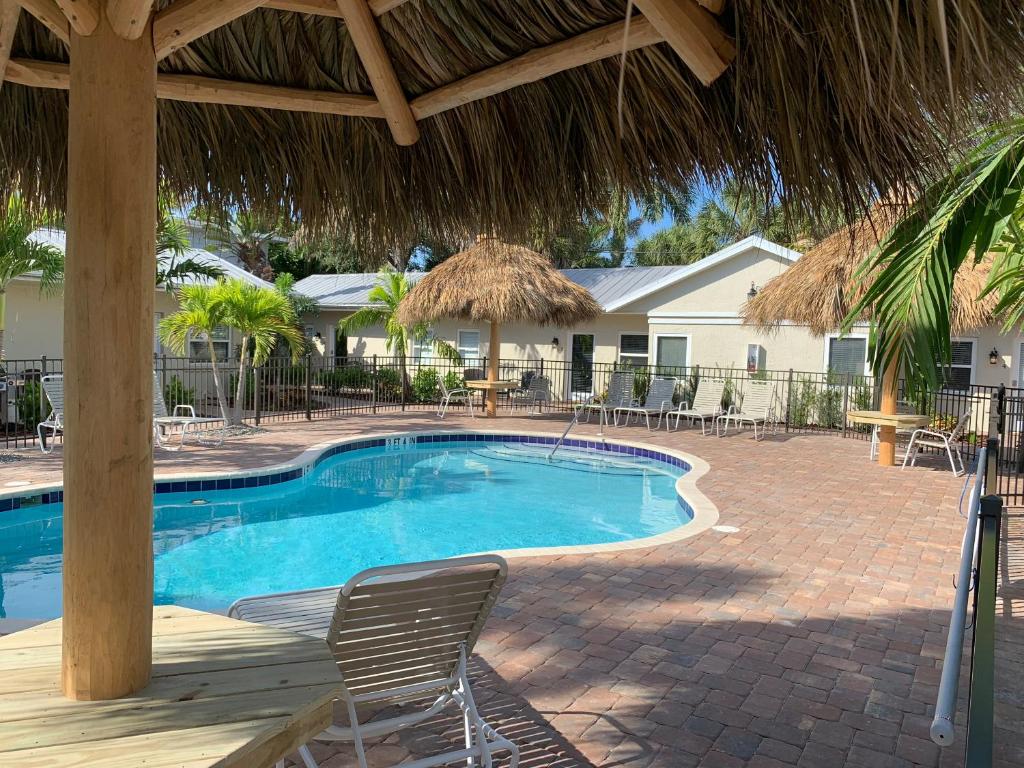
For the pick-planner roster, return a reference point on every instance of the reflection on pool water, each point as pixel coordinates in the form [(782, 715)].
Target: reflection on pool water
[(360, 509)]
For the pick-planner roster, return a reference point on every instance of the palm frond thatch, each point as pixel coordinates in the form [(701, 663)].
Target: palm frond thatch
[(820, 289), (496, 282), (823, 101)]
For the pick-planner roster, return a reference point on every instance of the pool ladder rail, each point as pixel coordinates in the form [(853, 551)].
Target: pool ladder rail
[(575, 420)]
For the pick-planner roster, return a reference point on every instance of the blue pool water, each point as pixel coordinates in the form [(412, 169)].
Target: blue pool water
[(360, 509)]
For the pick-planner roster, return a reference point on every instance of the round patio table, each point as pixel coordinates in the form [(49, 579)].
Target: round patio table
[(487, 386), (898, 420), (224, 694)]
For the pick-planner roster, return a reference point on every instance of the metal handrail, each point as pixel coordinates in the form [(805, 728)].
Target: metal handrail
[(942, 729), (575, 420)]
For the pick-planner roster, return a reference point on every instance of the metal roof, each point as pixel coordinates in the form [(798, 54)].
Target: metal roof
[(58, 239), (614, 288), (349, 291)]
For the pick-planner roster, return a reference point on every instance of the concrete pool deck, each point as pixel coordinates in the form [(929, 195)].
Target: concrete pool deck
[(812, 635)]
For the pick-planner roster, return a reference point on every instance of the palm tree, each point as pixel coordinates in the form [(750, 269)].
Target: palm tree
[(248, 237), (201, 314), (976, 211), (19, 256), (384, 298), (173, 265), (261, 315)]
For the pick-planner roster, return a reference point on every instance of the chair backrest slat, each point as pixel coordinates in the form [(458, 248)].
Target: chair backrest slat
[(709, 394), (159, 406), (620, 388), (661, 390), (757, 398), (961, 426), (402, 625), (540, 387), (53, 386)]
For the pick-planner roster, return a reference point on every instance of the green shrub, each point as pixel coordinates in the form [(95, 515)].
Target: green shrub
[(349, 378), (389, 384), (176, 393), (454, 380), (27, 405), (802, 402), (830, 406), (425, 384)]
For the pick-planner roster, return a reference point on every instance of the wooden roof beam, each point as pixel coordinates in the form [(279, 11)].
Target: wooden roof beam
[(83, 15), (330, 7), (10, 12), (128, 17), (538, 64), (362, 28), (49, 14), (694, 34), (209, 90), (183, 21), (715, 6)]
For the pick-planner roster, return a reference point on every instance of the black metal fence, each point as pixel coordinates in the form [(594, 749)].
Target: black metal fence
[(315, 388)]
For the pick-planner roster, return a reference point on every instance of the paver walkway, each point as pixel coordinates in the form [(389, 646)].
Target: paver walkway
[(810, 636)]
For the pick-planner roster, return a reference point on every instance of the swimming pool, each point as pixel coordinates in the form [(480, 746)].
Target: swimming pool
[(362, 504)]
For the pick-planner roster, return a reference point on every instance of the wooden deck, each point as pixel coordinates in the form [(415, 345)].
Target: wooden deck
[(224, 694)]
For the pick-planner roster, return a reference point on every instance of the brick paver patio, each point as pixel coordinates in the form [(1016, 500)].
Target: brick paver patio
[(811, 636)]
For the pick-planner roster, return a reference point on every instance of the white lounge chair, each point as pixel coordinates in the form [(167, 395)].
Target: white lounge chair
[(399, 632), (706, 406), (184, 418), (620, 392), (658, 401), (53, 388), (458, 396), (937, 438), (758, 406), (536, 392)]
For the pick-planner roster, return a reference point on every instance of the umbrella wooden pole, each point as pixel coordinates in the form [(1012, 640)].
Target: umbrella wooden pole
[(887, 434), (108, 348), (494, 350)]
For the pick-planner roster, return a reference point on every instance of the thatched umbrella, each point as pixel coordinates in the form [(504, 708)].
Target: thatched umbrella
[(431, 118), (498, 283), (820, 289)]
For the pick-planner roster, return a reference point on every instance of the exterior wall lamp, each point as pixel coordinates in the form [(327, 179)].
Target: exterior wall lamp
[(993, 356), (752, 292)]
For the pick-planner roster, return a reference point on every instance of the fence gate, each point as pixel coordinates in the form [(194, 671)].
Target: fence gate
[(1011, 453)]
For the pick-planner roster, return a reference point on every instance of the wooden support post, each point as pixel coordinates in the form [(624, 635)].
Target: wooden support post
[(493, 359), (887, 435), (694, 34), (10, 11), (108, 354)]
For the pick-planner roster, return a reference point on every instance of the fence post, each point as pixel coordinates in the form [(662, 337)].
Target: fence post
[(373, 396), (846, 400), (789, 397), (404, 367), (39, 388), (542, 366), (309, 386), (256, 393)]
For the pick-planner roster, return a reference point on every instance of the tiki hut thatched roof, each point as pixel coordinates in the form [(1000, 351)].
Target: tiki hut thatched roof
[(822, 99), (499, 283), (819, 289)]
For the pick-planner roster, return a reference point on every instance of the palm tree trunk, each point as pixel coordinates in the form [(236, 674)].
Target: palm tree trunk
[(240, 387), (222, 399), (3, 323)]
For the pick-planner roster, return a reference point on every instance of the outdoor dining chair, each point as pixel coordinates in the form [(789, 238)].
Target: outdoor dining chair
[(657, 402), (620, 392), (537, 392), (399, 633), (456, 396), (937, 438)]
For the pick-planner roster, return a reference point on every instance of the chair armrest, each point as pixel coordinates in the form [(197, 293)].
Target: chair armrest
[(931, 433), (185, 410)]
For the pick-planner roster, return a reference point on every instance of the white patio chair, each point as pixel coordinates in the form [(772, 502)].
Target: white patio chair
[(458, 396), (184, 418), (53, 388), (757, 408), (658, 401), (706, 406), (902, 406), (937, 438), (399, 632), (538, 391), (620, 392)]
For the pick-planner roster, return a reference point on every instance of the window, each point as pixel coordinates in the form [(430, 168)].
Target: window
[(848, 354), (633, 348), (469, 345), (672, 351), (582, 373), (423, 349), (199, 349), (960, 372)]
